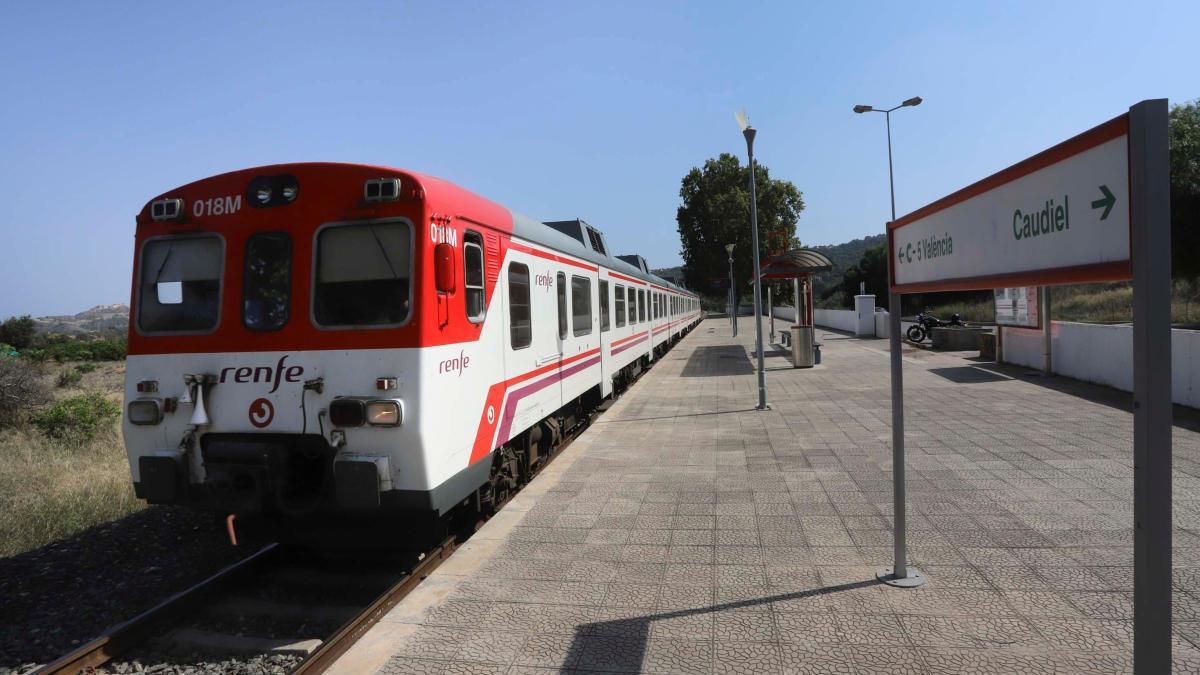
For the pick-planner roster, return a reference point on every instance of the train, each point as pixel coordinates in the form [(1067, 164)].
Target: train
[(326, 342)]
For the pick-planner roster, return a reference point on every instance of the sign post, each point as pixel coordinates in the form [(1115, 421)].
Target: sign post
[(1093, 208), (1150, 213)]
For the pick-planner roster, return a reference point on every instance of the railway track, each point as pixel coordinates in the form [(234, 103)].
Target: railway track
[(293, 611)]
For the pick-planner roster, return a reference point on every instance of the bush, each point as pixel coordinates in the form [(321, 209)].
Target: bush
[(84, 368), (21, 390), (68, 377), (79, 418), (62, 348)]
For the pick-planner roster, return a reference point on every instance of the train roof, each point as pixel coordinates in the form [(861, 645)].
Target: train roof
[(573, 237), (561, 235)]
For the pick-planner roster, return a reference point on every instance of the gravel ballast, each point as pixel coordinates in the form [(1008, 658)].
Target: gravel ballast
[(55, 598)]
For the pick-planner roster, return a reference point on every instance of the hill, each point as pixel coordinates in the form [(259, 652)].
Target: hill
[(98, 319), (843, 256)]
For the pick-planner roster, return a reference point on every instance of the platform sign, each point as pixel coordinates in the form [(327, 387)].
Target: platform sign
[(1017, 307), (1094, 208), (1061, 216)]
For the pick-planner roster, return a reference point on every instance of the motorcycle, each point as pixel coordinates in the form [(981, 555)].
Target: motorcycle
[(926, 323)]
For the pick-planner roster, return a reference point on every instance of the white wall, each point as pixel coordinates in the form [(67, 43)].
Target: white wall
[(839, 319), (1104, 355)]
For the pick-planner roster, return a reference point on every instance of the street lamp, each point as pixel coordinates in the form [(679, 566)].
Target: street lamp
[(749, 132), (732, 291), (900, 574)]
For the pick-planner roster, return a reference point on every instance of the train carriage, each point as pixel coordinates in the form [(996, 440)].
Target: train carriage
[(335, 339)]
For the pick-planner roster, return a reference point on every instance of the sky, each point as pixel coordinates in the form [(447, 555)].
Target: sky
[(555, 109)]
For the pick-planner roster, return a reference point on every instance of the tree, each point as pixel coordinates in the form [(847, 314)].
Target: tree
[(1184, 138), (716, 211), (871, 269), (18, 331)]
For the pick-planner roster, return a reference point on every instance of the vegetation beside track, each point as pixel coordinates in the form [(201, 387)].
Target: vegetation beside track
[(63, 466)]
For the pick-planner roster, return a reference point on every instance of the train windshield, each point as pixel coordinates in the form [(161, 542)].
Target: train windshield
[(363, 275), (180, 286)]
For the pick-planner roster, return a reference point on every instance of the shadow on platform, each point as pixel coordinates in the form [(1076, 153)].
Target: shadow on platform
[(969, 375), (718, 361), (621, 645)]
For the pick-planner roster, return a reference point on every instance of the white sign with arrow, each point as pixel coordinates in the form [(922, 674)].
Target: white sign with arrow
[(1065, 210)]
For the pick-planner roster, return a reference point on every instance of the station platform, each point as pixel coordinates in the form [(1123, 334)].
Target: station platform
[(685, 532)]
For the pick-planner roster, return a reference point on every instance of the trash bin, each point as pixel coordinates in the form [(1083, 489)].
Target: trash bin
[(817, 353), (802, 347)]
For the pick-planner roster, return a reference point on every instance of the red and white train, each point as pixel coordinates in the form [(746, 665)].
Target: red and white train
[(319, 339)]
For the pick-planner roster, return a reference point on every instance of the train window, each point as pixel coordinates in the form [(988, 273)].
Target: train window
[(632, 305), (180, 286), (473, 277), (561, 283), (603, 306), (581, 305), (267, 282), (641, 305), (620, 306), (362, 275), (520, 320)]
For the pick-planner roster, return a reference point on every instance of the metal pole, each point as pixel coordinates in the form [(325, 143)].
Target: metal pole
[(796, 303), (899, 574), (771, 314), (1150, 244), (758, 337), (732, 299), (1047, 364)]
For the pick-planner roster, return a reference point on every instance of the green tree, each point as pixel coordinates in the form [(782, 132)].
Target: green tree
[(871, 269), (1184, 135), (18, 331), (715, 211)]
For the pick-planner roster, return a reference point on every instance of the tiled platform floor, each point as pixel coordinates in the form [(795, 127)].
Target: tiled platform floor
[(687, 533)]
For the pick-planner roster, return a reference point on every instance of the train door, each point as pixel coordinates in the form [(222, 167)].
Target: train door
[(580, 333), (531, 352), (605, 334), (562, 316)]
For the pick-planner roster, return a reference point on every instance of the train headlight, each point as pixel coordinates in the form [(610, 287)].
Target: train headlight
[(381, 190), (269, 191), (347, 412), (145, 411), (384, 413), (166, 209)]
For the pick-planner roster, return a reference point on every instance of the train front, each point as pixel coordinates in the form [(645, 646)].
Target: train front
[(273, 337)]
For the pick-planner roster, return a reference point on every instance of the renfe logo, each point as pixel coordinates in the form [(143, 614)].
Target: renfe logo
[(543, 280), (256, 374), (458, 363)]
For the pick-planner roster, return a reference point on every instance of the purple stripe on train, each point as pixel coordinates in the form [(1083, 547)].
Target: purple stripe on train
[(515, 397), (627, 345)]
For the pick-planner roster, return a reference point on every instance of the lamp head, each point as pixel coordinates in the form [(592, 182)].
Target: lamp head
[(862, 108), (729, 249), (742, 119), (916, 100)]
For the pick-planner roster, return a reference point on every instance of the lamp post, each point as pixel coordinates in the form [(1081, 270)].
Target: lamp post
[(899, 574), (732, 294), (748, 132)]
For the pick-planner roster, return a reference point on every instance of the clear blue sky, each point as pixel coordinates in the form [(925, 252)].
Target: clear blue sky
[(555, 109)]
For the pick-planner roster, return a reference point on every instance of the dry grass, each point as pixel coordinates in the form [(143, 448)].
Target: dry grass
[(51, 489)]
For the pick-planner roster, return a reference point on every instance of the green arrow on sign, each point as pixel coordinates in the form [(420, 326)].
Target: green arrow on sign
[(1106, 203)]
